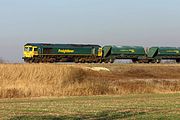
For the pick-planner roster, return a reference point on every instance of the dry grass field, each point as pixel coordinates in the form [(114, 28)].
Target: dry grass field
[(35, 80)]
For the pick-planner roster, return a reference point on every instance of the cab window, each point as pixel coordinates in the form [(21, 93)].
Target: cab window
[(35, 49), (30, 48), (26, 49)]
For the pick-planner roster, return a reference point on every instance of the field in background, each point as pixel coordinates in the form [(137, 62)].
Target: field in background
[(34, 80), (142, 106)]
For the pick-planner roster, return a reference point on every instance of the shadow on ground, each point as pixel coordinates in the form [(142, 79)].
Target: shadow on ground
[(105, 115)]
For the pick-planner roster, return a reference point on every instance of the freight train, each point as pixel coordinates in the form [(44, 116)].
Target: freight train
[(85, 53)]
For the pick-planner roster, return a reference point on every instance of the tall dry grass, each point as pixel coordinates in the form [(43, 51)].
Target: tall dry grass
[(34, 80)]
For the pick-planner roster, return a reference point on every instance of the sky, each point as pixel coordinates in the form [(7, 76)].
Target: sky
[(104, 22)]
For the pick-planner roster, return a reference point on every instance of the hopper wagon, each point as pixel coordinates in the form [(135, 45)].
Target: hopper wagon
[(156, 54), (135, 53)]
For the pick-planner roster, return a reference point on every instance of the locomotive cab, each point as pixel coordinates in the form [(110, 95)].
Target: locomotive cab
[(30, 51)]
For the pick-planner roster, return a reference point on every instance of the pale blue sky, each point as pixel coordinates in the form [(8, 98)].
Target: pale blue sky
[(119, 22)]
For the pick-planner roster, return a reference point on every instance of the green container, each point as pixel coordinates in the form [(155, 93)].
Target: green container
[(123, 51), (163, 52), (168, 51)]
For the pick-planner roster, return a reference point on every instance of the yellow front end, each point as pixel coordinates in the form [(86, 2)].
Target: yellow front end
[(30, 51), (100, 52)]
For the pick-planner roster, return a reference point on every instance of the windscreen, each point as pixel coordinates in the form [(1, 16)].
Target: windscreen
[(27, 49)]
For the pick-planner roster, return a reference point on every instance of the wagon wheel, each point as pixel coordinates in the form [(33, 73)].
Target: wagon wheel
[(140, 61), (44, 60), (158, 61), (111, 60), (36, 61), (178, 60), (31, 61), (106, 61), (51, 60), (82, 61), (76, 60), (134, 60)]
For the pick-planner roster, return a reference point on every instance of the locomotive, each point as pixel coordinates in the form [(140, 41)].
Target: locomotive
[(41, 52), (88, 53)]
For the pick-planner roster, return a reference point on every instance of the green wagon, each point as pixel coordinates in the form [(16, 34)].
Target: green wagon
[(160, 53), (135, 53)]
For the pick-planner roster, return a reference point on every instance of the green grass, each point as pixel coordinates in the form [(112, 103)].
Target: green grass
[(140, 106)]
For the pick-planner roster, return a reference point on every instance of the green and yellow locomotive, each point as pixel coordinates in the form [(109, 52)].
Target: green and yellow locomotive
[(40, 52)]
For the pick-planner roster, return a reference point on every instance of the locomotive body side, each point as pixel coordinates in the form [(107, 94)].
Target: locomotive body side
[(64, 53)]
